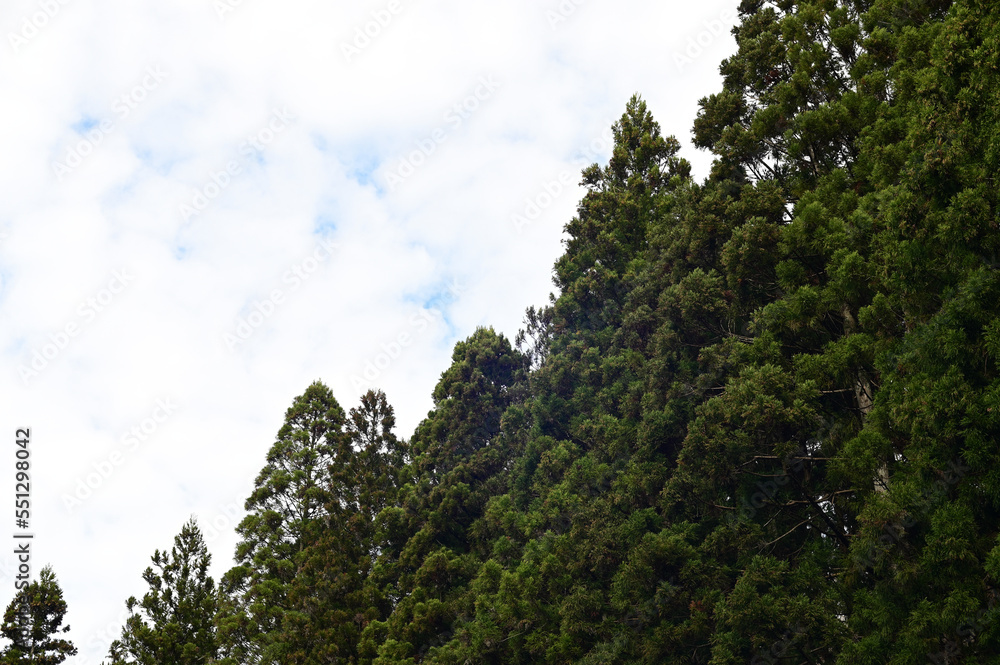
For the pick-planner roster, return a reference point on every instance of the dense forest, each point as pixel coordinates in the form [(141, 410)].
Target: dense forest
[(754, 424)]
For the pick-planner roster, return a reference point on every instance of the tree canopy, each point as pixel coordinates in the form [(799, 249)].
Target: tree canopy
[(756, 421)]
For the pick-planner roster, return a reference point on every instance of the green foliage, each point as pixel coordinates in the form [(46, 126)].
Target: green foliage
[(430, 550), (330, 601), (173, 623), (33, 621), (293, 493), (756, 423)]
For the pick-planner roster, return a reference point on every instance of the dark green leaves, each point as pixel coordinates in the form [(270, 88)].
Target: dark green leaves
[(33, 621)]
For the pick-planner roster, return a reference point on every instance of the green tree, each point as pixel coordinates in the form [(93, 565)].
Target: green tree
[(174, 621), (756, 423), (429, 551), (923, 574), (796, 95), (286, 514), (33, 621), (330, 600)]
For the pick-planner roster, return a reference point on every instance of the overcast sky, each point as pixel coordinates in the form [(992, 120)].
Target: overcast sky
[(205, 205)]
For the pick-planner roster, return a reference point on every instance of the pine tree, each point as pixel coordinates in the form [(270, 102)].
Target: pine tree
[(32, 622), (286, 514), (792, 108), (757, 422), (429, 551), (174, 621), (923, 573), (330, 599)]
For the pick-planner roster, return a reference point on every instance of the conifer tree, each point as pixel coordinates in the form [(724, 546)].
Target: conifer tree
[(330, 599), (757, 422), (286, 513), (32, 623), (429, 553), (174, 621), (923, 572), (591, 467)]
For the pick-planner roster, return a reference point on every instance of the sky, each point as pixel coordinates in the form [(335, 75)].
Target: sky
[(206, 205)]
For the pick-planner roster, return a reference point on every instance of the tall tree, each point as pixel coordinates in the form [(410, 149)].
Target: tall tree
[(757, 422), (174, 621), (924, 576), (331, 600), (32, 623), (286, 511), (429, 551)]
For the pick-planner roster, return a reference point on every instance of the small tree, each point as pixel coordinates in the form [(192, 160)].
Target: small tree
[(32, 620), (174, 621)]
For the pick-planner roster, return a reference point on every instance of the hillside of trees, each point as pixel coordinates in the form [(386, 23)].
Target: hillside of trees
[(757, 422)]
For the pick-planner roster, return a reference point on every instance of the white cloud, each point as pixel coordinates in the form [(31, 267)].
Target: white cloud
[(219, 82)]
